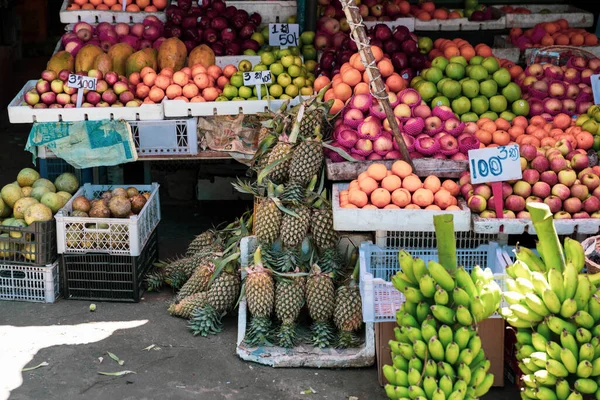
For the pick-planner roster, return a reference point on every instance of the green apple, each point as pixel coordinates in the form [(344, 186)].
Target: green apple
[(459, 60), (478, 73), (263, 91), (440, 84), (267, 58), (307, 37), (581, 119), (498, 103), (451, 89), (415, 80), (306, 91), (230, 91), (311, 65), (469, 117), (275, 90), (471, 4), (259, 38), (245, 92), (476, 60), (480, 104), (295, 50), (298, 61), (427, 90), (299, 81), (469, 12), (309, 52), (490, 64), (425, 44), (488, 88), (596, 145), (590, 126), (286, 61), (276, 68), (284, 79), (221, 98), (507, 115), (260, 67), (593, 110), (294, 71), (440, 62), (502, 77), (265, 33), (249, 52), (520, 107), (237, 80), (245, 66), (433, 74), (512, 92), (238, 98), (285, 97), (455, 71), (440, 101), (284, 52), (597, 116), (292, 90), (489, 114), (461, 105), (470, 88)]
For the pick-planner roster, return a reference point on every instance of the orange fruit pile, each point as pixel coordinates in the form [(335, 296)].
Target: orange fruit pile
[(117, 5), (556, 33)]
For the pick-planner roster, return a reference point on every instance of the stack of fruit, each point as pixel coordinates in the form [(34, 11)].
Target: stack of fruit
[(114, 5), (437, 352), (567, 185), (291, 77), (551, 89), (477, 89), (556, 312), (370, 10), (552, 33), (427, 11), (458, 47), (118, 203), (399, 189)]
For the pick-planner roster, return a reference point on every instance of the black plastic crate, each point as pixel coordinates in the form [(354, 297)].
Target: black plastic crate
[(106, 277), (31, 245)]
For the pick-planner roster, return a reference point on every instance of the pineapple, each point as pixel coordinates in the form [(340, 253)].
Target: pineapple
[(186, 307), (306, 161), (198, 282), (221, 297), (348, 314), (268, 221), (281, 153), (320, 299), (260, 297), (154, 280), (201, 241), (294, 229), (294, 192), (289, 300), (330, 261), (323, 234)]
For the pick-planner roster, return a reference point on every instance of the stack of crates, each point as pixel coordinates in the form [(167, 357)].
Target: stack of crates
[(105, 259)]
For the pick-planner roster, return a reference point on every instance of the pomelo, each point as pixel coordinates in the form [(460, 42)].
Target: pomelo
[(27, 176), (67, 182)]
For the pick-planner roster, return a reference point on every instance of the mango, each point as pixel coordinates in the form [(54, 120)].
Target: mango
[(84, 61), (140, 59), (103, 63), (172, 54), (201, 55), (61, 60), (118, 55)]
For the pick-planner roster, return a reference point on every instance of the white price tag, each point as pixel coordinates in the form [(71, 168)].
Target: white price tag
[(81, 82), (257, 78), (495, 164), (595, 81), (284, 35)]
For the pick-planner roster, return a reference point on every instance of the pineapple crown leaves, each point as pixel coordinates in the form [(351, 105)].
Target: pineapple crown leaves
[(267, 170), (340, 151), (263, 147), (222, 264)]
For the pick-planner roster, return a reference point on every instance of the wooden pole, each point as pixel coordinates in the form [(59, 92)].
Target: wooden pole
[(359, 35)]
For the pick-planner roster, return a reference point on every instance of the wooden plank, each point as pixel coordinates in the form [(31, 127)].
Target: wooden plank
[(347, 171)]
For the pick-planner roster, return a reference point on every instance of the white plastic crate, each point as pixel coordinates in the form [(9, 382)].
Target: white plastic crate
[(28, 283), (19, 114), (519, 226), (427, 240), (381, 300), (302, 355), (356, 219), (168, 137), (125, 236), (95, 16)]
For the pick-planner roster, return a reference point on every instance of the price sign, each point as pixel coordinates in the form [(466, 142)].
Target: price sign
[(257, 78), (81, 82), (283, 35), (495, 164), (595, 81)]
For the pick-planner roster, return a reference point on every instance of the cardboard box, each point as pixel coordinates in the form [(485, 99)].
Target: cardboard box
[(512, 373), (491, 332)]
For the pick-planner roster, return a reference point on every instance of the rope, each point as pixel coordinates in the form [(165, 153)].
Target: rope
[(351, 5)]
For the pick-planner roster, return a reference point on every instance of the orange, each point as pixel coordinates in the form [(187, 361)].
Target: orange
[(358, 198), (404, 7), (160, 4), (577, 39), (320, 83), (502, 124), (87, 6), (342, 91), (562, 23), (349, 205), (391, 183), (353, 185), (438, 42), (422, 197), (443, 199), (548, 141), (467, 52), (362, 88), (104, 7), (484, 51), (489, 126), (376, 171), (412, 183), (142, 3), (520, 121), (345, 67), (482, 121), (351, 76), (585, 140), (547, 40), (484, 137), (424, 16), (562, 40), (362, 176), (515, 132), (132, 8), (515, 32), (329, 95), (380, 197), (96, 3), (538, 120), (337, 106), (401, 168), (385, 67), (590, 39), (370, 207), (337, 78), (551, 28), (432, 183), (150, 9), (356, 62), (440, 14), (395, 82), (453, 15), (391, 207), (377, 53), (428, 6), (501, 138), (451, 186), (401, 197), (451, 51), (73, 7)]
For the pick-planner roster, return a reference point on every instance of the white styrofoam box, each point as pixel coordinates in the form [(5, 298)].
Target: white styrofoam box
[(24, 114), (504, 42), (427, 240), (356, 219), (576, 17), (463, 24), (381, 300), (219, 188), (95, 16), (510, 53), (408, 22), (180, 108), (516, 226), (222, 61), (303, 355), (167, 137), (28, 283), (126, 236)]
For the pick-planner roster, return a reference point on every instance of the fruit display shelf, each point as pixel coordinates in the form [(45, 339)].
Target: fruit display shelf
[(39, 284), (519, 226), (302, 355), (463, 24), (95, 16), (365, 220), (576, 17), (19, 114), (503, 42), (117, 236), (349, 170), (182, 109), (381, 300)]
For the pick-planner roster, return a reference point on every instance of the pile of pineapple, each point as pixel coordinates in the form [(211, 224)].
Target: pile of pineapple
[(297, 264)]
